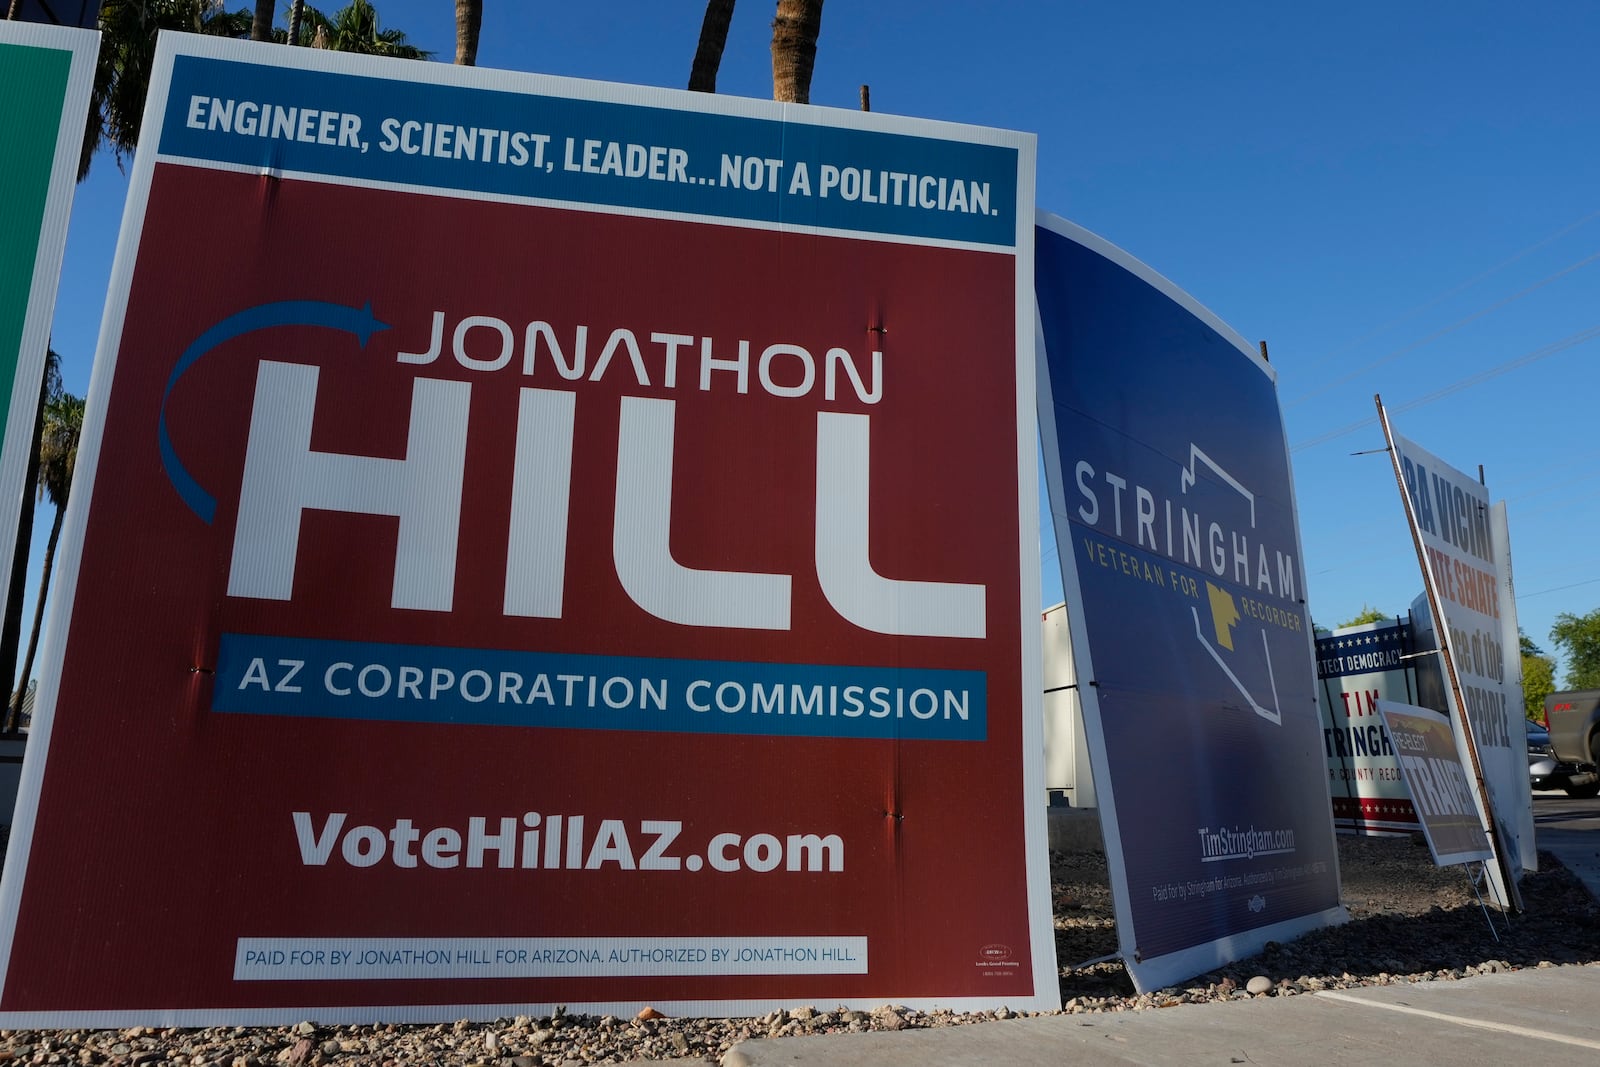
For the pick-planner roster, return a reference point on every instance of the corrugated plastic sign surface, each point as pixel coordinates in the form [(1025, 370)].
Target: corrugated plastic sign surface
[(1174, 515), (1463, 569), (546, 542), (1437, 783)]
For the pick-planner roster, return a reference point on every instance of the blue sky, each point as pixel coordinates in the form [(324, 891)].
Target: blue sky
[(1399, 198)]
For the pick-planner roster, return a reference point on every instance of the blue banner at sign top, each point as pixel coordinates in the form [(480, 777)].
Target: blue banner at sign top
[(1361, 653), (585, 151)]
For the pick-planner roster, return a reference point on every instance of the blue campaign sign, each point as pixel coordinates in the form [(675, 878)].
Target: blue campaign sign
[(1174, 513)]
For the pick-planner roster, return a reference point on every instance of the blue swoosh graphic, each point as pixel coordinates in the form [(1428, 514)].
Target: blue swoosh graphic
[(358, 321)]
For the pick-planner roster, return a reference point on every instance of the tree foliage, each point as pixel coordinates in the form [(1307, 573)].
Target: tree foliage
[(1538, 682), (11, 627), (58, 458), (1578, 639), (128, 30), (1367, 614), (355, 28)]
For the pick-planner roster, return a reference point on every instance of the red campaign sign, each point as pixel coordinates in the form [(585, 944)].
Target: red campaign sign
[(479, 605)]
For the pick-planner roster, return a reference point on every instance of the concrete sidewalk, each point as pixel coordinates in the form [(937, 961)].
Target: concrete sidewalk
[(1526, 1016)]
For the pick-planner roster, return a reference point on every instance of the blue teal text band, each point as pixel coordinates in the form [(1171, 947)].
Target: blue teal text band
[(417, 683), (584, 151)]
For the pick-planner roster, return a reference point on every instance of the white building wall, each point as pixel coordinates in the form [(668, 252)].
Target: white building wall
[(1066, 749)]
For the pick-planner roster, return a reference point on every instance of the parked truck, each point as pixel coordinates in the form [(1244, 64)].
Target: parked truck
[(1573, 719)]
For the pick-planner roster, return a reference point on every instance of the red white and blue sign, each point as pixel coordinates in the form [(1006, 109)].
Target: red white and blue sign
[(1174, 515), (536, 543), (1358, 666)]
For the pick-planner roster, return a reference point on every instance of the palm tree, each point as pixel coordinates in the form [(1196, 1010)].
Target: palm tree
[(11, 627), (354, 28), (58, 455), (469, 19), (794, 49), (261, 22), (128, 30), (708, 53)]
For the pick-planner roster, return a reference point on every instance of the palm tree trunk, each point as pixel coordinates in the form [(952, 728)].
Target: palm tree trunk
[(794, 49), (11, 628), (38, 613), (296, 12), (13, 10), (261, 24), (469, 19), (708, 53)]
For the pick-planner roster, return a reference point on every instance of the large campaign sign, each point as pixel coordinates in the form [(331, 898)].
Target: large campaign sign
[(45, 76), (543, 542), (1359, 666), (1463, 569), (1174, 514)]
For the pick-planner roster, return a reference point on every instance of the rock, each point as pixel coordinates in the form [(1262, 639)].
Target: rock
[(734, 1058), (305, 1029), (1259, 984), (491, 1042)]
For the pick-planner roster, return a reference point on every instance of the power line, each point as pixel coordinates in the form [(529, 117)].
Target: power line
[(1406, 316), (1442, 331), (1557, 589), (1457, 386), (1553, 485)]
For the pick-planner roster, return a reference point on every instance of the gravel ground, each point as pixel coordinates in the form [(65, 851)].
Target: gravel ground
[(1410, 922)]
